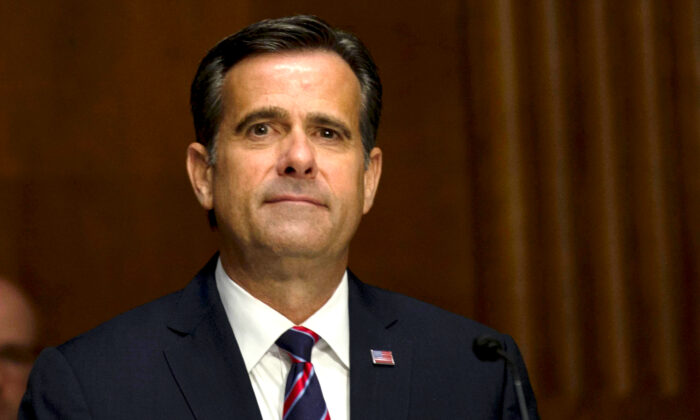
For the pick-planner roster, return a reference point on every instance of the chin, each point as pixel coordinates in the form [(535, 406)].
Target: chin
[(296, 247), (292, 243)]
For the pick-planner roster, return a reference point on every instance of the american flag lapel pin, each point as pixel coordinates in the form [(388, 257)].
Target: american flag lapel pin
[(382, 357)]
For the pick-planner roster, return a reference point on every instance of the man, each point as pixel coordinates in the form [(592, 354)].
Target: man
[(18, 337), (274, 327)]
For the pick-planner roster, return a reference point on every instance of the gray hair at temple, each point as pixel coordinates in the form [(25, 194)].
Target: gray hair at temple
[(294, 33)]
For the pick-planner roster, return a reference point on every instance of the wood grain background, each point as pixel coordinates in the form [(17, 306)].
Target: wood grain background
[(542, 173)]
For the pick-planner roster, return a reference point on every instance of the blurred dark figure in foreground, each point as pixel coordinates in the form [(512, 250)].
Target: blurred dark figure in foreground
[(18, 338)]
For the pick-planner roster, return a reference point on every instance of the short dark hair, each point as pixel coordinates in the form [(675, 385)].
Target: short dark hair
[(293, 33)]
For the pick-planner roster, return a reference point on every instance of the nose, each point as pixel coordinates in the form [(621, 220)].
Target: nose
[(298, 156)]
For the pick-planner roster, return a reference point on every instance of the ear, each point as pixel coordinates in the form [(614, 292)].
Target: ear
[(372, 175), (201, 174)]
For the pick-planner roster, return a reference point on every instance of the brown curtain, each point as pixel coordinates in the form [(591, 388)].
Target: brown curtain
[(542, 173), (584, 126)]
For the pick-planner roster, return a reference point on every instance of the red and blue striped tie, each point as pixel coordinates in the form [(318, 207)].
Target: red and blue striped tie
[(303, 399)]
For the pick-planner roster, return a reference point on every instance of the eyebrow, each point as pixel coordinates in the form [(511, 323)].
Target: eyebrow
[(272, 112), (320, 118)]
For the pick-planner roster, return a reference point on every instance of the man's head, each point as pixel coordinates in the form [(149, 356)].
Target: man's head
[(295, 33), (18, 336), (292, 113)]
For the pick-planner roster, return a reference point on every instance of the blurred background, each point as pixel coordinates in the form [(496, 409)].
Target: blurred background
[(542, 173)]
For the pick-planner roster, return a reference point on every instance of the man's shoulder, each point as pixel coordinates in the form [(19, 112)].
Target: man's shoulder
[(119, 366), (143, 324), (153, 323), (432, 340), (415, 313)]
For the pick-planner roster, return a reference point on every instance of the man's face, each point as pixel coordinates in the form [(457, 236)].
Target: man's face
[(17, 338), (289, 177)]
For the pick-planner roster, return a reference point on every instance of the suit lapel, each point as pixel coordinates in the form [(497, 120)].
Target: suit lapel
[(205, 359), (376, 392)]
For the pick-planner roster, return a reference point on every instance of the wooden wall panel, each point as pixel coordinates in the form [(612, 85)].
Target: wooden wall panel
[(655, 197), (503, 233), (96, 122), (610, 320), (683, 104), (562, 352), (605, 97)]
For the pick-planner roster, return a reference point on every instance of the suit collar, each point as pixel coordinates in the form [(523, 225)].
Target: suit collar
[(209, 369), (196, 300), (257, 326), (205, 359), (376, 392)]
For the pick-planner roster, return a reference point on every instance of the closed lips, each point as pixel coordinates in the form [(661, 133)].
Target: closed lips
[(295, 198)]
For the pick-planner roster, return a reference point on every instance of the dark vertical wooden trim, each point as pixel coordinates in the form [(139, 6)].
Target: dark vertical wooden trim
[(555, 177), (685, 18), (515, 244), (657, 263), (612, 320)]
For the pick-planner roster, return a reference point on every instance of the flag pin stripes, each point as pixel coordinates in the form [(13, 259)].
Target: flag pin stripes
[(382, 357)]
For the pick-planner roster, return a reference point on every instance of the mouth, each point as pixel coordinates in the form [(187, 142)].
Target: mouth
[(295, 199)]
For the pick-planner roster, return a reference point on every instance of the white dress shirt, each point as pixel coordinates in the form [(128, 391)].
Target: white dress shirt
[(257, 326)]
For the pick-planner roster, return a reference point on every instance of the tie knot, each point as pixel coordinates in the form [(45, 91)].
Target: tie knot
[(298, 342)]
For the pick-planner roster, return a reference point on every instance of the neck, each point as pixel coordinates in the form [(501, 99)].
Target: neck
[(296, 286)]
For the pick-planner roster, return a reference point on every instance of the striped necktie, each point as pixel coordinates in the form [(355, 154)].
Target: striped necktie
[(303, 399)]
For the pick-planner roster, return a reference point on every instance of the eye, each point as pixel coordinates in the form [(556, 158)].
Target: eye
[(327, 133), (259, 129)]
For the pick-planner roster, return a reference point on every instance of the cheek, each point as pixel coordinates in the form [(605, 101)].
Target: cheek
[(240, 176), (347, 184)]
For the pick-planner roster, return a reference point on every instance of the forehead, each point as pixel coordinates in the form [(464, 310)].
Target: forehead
[(302, 77)]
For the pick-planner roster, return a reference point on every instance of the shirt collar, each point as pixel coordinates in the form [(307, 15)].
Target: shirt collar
[(257, 326)]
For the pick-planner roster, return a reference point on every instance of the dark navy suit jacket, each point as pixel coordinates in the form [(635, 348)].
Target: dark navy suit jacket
[(177, 358)]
